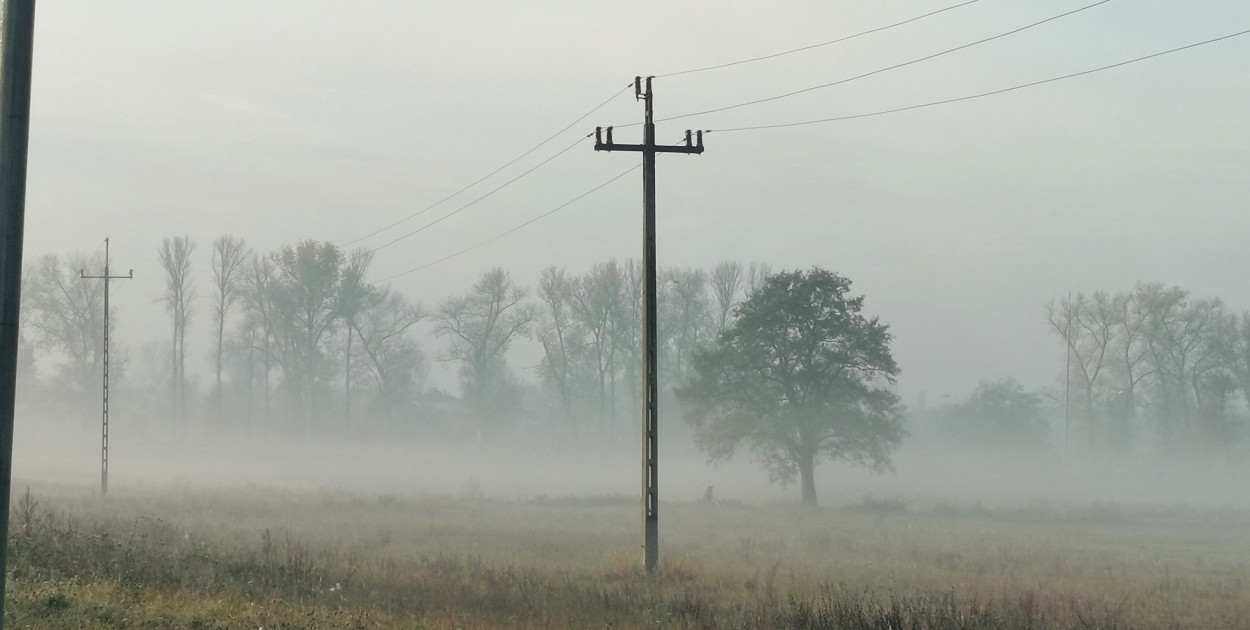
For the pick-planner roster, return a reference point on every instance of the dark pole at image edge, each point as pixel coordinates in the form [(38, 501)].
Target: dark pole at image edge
[(650, 387), (15, 65)]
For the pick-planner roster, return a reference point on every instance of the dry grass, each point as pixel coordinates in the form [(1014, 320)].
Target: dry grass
[(273, 559)]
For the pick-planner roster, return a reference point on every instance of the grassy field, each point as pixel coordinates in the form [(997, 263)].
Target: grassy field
[(266, 558)]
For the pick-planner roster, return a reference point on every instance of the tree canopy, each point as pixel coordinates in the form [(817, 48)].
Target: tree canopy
[(801, 376)]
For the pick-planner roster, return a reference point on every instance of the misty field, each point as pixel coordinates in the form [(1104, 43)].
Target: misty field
[(268, 558)]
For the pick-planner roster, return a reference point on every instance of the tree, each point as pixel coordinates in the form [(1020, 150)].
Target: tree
[(686, 319), (726, 280), (800, 375), (353, 294), (382, 323), (999, 414), (562, 338), (481, 326), (1089, 329), (596, 300), (257, 330), (305, 300), (229, 255), (175, 256), (66, 317)]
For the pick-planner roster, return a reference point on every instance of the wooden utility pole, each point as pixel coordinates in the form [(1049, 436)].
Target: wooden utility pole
[(650, 387), (15, 63), (104, 435)]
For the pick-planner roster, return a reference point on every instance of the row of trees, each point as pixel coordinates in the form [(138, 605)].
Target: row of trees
[(1153, 364), (281, 323), (785, 364), (300, 335)]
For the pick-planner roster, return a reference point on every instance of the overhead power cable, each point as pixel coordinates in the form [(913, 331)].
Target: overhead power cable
[(514, 229), (880, 70), (982, 94), (490, 174), (492, 192), (810, 47)]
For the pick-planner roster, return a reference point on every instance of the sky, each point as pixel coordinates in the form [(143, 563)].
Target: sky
[(283, 120)]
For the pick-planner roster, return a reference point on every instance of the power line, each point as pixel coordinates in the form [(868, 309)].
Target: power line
[(881, 70), (810, 47), (492, 191), (492, 173), (514, 229), (982, 94)]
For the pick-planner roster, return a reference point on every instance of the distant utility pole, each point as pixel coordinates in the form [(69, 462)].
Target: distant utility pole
[(17, 41), (650, 388), (104, 440), (1067, 374)]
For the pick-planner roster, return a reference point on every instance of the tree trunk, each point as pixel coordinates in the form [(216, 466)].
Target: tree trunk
[(807, 480), (347, 378), (221, 331)]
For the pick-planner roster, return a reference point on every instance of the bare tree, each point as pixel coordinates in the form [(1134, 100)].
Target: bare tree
[(305, 298), (353, 294), (175, 257), (560, 336), (1088, 326), (481, 326), (727, 278), (66, 317), (1132, 360), (757, 273), (596, 299), (260, 279), (382, 323), (686, 304), (229, 255)]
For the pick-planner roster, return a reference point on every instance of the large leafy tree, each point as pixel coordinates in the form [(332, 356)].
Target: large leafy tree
[(801, 377)]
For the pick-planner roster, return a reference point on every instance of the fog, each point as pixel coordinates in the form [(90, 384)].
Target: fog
[(927, 473)]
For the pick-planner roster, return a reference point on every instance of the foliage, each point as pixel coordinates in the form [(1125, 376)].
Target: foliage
[(999, 414), (800, 376)]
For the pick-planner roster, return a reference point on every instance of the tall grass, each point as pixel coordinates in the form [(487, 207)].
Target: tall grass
[(271, 559)]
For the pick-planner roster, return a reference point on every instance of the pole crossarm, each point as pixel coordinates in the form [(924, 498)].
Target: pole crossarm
[(693, 146), (650, 386)]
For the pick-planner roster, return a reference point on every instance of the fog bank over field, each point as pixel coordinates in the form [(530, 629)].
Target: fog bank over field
[(927, 473)]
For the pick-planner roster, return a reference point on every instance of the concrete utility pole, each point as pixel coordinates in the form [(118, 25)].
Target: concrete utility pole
[(104, 440), (650, 387), (18, 44)]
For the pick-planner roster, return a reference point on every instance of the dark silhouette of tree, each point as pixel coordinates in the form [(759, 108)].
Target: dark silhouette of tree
[(800, 376)]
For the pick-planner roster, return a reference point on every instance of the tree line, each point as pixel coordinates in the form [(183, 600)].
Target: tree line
[(1153, 365), (300, 338)]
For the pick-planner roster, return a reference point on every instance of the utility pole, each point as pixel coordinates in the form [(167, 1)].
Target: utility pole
[(1067, 374), (104, 439), (18, 46), (650, 387)]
